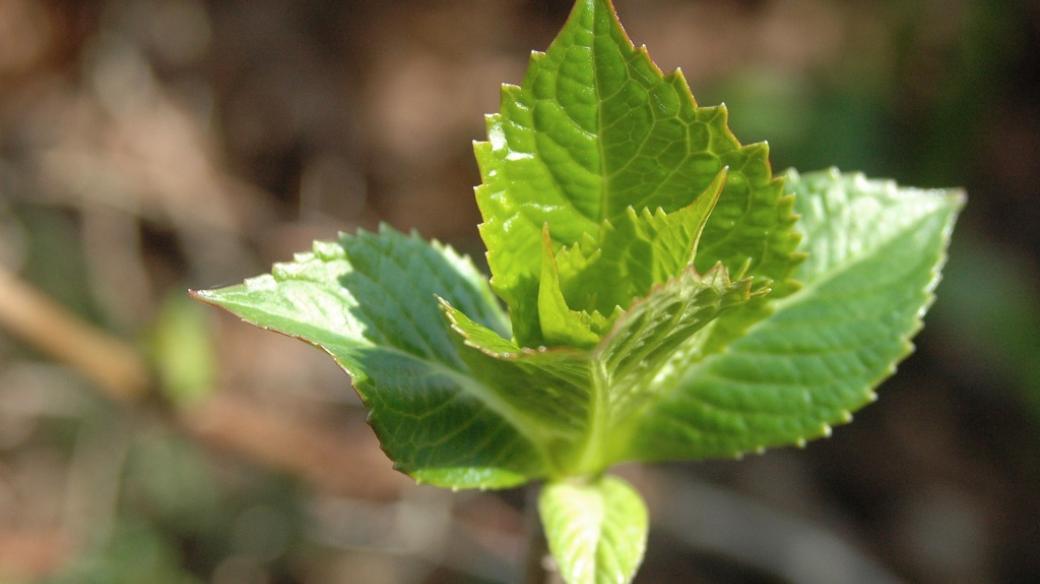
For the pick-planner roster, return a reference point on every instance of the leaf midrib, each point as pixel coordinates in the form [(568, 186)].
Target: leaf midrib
[(841, 268), (600, 127)]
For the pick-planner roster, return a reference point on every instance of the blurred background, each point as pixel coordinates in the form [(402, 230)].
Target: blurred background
[(151, 146)]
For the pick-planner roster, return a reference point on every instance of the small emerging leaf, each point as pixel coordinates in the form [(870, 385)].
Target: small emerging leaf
[(635, 252), (596, 531), (662, 327), (560, 325)]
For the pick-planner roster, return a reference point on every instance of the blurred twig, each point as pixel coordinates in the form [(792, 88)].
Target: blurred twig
[(329, 459), (114, 366), (335, 461)]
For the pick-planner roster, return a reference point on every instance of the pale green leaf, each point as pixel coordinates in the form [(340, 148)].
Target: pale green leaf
[(596, 129), (596, 530), (874, 254)]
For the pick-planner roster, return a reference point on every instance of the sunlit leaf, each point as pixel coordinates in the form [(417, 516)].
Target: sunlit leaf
[(595, 129)]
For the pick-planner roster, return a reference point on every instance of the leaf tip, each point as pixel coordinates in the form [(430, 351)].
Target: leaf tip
[(958, 198), (211, 297)]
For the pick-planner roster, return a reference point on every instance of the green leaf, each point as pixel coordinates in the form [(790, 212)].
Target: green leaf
[(369, 301), (596, 531), (596, 129), (875, 251)]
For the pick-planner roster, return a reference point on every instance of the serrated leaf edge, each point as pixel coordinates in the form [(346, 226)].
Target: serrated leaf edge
[(869, 395), (523, 428)]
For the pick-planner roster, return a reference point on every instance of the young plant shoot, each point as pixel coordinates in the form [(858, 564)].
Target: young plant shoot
[(668, 298)]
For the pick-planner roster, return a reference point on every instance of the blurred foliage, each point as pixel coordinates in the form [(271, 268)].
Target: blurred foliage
[(183, 350), (135, 552), (989, 303)]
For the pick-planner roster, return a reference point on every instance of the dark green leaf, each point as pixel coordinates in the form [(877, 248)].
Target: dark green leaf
[(369, 301)]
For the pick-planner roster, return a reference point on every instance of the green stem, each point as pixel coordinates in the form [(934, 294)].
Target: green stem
[(590, 460)]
